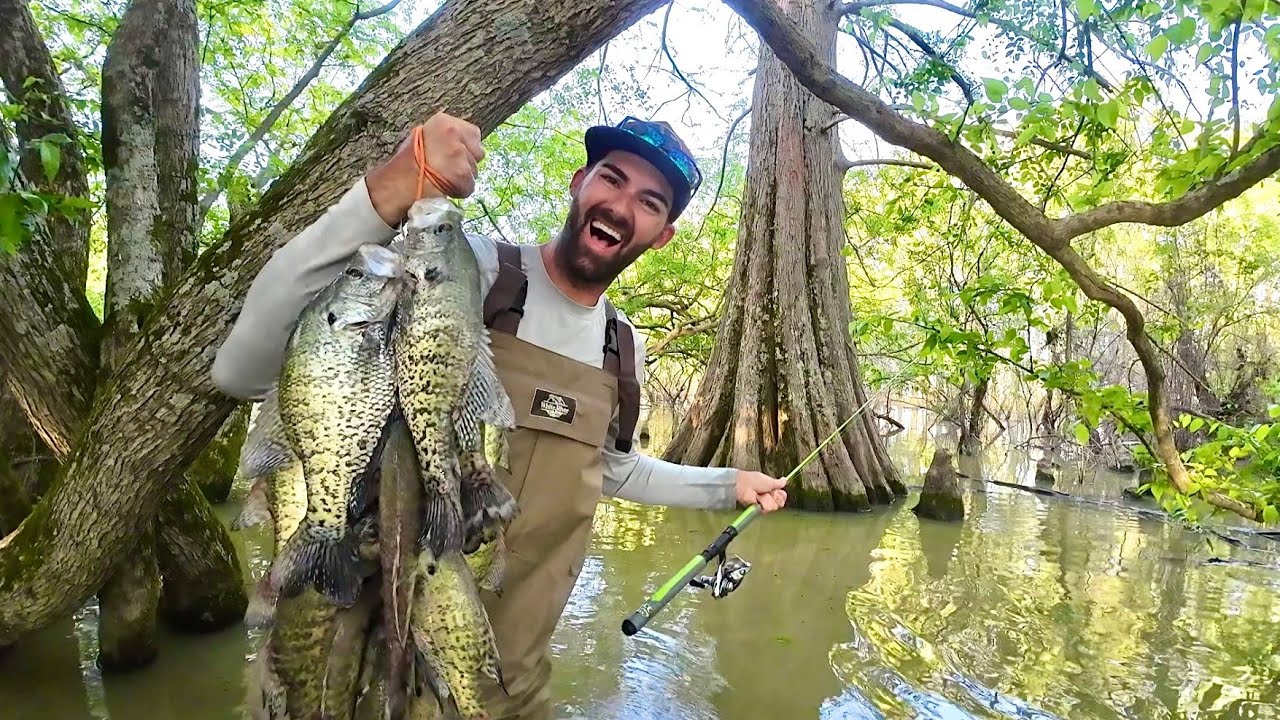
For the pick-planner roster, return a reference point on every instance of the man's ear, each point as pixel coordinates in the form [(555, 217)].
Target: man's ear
[(665, 236), (576, 182)]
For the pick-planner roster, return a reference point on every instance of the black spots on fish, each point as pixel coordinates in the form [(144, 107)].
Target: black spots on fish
[(331, 318), (314, 558)]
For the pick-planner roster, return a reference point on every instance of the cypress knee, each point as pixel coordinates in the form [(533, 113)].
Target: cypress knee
[(940, 499)]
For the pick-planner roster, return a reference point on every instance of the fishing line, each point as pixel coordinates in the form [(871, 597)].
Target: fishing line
[(730, 571)]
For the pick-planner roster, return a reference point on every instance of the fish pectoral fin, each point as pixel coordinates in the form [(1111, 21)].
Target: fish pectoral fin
[(484, 399)]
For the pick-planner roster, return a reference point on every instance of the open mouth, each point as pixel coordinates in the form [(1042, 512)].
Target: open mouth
[(606, 234)]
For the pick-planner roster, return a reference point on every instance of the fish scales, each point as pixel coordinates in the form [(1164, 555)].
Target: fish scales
[(337, 390), (445, 378), (452, 632)]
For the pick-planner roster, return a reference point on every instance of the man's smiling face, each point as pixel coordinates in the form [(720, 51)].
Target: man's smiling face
[(620, 208)]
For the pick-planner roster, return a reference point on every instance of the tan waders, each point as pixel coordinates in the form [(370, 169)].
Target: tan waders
[(563, 410)]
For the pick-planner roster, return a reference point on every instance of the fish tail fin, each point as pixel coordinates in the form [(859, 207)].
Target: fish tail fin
[(443, 529), (256, 509), (261, 610), (486, 503), (321, 557)]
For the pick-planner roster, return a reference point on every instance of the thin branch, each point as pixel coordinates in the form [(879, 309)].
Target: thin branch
[(666, 18), (492, 221), (920, 41), (237, 157), (850, 164), (724, 163), (1235, 89), (604, 114), (1047, 144)]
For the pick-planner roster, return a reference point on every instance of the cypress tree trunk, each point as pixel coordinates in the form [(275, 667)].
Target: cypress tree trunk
[(971, 429), (157, 410), (150, 100), (214, 472), (784, 373), (203, 582)]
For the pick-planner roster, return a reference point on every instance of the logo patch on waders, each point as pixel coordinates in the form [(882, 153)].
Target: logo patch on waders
[(553, 406)]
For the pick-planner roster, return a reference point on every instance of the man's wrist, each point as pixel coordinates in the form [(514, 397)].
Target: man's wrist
[(389, 196)]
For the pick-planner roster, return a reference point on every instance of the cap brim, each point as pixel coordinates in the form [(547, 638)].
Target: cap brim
[(600, 139)]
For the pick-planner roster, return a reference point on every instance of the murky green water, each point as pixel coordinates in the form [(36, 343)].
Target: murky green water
[(1034, 607)]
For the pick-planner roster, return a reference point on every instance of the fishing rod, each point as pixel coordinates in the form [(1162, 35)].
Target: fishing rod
[(729, 572)]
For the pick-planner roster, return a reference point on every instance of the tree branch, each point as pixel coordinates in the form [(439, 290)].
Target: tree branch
[(850, 164), (1047, 144), (1052, 236), (313, 72), (920, 41), (33, 82), (798, 54)]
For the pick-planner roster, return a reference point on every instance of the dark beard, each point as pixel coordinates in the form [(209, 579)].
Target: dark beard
[(583, 268)]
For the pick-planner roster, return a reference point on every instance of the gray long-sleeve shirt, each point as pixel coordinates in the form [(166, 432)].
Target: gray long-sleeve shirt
[(249, 360)]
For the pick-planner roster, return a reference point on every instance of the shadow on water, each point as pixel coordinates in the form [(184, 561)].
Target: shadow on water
[(1033, 607)]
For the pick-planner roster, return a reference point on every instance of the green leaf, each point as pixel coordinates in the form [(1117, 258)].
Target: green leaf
[(1082, 434), (996, 88), (12, 231), (1157, 46), (1086, 8), (1196, 424), (1183, 31), (917, 101), (1273, 412), (1260, 434), (1018, 103), (1093, 90), (1109, 113), (1207, 50), (50, 159), (1270, 515)]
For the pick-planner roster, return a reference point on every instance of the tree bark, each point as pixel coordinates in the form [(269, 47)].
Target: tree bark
[(975, 416), (816, 71), (784, 373), (150, 99), (32, 81), (214, 472), (203, 582), (159, 407)]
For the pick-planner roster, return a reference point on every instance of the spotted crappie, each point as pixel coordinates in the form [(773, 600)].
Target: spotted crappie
[(276, 498), (452, 633), (445, 378), (336, 393), (488, 562)]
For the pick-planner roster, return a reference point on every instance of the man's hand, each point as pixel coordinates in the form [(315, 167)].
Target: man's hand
[(452, 149), (755, 487)]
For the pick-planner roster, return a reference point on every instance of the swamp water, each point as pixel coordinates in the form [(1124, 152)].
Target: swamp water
[(1034, 607)]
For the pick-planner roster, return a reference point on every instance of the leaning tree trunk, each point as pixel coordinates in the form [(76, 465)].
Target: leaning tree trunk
[(150, 99), (974, 417), (784, 373), (479, 60)]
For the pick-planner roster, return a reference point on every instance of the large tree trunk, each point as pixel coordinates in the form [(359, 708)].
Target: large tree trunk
[(150, 99), (214, 472), (479, 60), (784, 374)]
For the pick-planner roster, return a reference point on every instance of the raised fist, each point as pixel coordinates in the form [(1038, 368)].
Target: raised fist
[(451, 148)]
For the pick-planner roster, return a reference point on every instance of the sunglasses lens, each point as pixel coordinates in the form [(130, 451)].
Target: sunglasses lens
[(669, 144)]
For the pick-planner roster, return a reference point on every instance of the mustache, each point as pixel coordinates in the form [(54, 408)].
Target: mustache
[(603, 214)]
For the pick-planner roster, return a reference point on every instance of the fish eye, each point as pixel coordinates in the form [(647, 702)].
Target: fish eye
[(444, 228), (356, 273)]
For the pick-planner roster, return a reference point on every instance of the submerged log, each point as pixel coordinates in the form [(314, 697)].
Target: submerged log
[(940, 499)]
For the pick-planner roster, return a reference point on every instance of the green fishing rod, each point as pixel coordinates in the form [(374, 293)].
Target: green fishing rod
[(729, 573)]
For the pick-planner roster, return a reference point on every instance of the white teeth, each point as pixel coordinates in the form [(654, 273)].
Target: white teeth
[(606, 230)]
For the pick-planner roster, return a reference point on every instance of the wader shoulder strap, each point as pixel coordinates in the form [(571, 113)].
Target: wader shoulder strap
[(504, 305), (620, 361)]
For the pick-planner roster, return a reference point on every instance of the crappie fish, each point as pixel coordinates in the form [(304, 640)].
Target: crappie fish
[(445, 377), (488, 562), (277, 497), (336, 393), (452, 633)]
